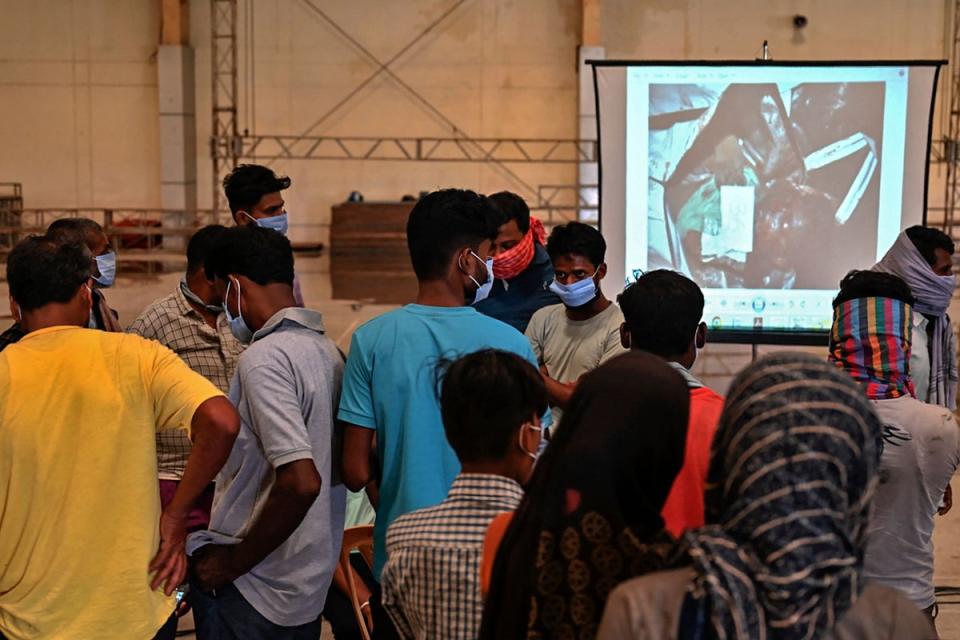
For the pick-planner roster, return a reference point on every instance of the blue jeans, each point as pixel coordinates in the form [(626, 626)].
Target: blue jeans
[(228, 616)]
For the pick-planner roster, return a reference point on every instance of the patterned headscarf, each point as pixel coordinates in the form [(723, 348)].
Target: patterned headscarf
[(871, 340), (514, 261), (933, 293), (591, 515), (792, 472)]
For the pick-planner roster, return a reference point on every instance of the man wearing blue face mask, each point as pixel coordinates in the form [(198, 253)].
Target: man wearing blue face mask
[(583, 332), (263, 567), (390, 387), (89, 232), (191, 323), (253, 193)]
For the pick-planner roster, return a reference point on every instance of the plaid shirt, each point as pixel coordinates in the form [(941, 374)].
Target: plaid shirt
[(431, 582), (212, 353)]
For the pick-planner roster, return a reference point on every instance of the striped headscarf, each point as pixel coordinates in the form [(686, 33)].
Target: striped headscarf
[(870, 340), (792, 472), (933, 294)]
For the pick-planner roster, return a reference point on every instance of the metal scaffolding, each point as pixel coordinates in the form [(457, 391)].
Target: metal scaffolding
[(224, 139), (949, 147), (228, 146), (501, 150)]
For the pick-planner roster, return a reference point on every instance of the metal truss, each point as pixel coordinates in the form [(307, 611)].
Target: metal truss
[(223, 53), (499, 150), (949, 145)]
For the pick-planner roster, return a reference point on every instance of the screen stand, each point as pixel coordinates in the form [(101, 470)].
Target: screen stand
[(754, 352)]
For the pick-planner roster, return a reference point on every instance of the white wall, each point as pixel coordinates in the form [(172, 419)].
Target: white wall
[(78, 102), (496, 68)]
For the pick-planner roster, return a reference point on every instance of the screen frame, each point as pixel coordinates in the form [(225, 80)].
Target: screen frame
[(781, 337)]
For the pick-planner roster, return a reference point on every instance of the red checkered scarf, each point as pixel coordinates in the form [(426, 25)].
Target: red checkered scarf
[(514, 261)]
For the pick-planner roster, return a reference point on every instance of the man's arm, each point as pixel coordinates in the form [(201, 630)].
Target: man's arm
[(214, 427), (358, 464), (296, 487), (363, 592), (558, 393)]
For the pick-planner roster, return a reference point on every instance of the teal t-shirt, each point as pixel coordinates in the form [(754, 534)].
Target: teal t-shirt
[(390, 384)]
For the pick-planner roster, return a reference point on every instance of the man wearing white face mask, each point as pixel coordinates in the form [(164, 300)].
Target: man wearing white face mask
[(491, 403), (390, 389), (89, 232), (191, 323), (662, 315), (263, 567), (579, 335), (253, 193)]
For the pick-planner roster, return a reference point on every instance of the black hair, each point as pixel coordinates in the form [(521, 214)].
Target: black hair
[(873, 284), (443, 222), (927, 240), (73, 230), (41, 271), (247, 183), (262, 255), (662, 309), (579, 239), (512, 207), (484, 398), (201, 245)]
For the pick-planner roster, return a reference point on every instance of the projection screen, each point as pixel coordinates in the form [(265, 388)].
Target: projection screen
[(764, 182)]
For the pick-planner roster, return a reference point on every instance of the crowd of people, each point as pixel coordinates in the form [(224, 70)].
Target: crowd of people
[(537, 460)]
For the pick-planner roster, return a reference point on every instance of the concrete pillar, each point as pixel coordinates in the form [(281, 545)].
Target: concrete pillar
[(591, 48), (178, 139), (178, 127), (588, 173)]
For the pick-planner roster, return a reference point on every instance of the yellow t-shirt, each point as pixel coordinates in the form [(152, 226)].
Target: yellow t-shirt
[(79, 500)]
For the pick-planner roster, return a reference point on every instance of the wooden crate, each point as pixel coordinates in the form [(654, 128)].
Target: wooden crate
[(368, 252)]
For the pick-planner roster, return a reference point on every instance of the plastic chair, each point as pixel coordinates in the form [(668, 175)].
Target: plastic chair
[(357, 539)]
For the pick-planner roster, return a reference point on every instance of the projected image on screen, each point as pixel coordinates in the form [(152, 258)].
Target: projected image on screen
[(747, 180), (765, 183)]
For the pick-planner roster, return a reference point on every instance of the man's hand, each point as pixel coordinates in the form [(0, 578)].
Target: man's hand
[(169, 566), (213, 567), (947, 501), (363, 596)]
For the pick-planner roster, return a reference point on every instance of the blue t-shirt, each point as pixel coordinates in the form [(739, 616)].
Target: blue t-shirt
[(390, 384)]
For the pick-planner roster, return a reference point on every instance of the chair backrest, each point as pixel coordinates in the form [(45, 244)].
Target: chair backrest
[(357, 539)]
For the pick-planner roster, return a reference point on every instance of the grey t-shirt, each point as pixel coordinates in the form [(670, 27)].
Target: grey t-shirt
[(571, 348), (286, 388), (921, 451)]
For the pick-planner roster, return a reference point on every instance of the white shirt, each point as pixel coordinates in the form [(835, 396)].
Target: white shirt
[(920, 356), (921, 451)]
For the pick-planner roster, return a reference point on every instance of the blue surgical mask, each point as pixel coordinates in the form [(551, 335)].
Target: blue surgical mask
[(190, 295), (277, 223), (483, 290), (576, 294), (238, 327), (107, 265)]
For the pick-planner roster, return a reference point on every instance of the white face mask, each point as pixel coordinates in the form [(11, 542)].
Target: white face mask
[(577, 294), (483, 290), (535, 454)]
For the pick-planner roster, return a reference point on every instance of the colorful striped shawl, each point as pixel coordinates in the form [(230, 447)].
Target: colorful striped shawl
[(871, 340)]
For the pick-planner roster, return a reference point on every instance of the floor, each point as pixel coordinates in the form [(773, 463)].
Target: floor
[(716, 365)]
